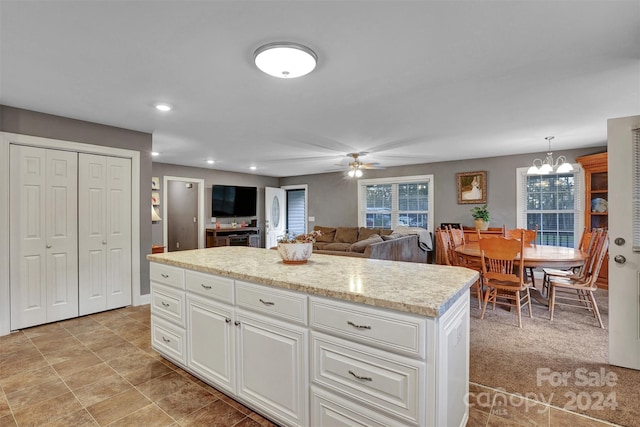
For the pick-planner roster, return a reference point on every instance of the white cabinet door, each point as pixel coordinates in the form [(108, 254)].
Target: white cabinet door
[(44, 255), (210, 338), (273, 367), (104, 233)]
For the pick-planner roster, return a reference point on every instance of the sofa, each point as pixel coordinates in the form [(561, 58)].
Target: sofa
[(375, 243)]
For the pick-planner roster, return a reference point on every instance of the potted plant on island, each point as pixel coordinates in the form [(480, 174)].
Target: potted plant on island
[(297, 249), (481, 217)]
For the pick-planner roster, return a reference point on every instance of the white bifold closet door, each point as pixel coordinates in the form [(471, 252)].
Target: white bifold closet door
[(44, 235), (104, 228)]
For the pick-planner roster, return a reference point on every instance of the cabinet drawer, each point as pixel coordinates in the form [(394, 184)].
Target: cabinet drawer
[(334, 411), (393, 331), (393, 384), (208, 285), (169, 340), (283, 304), (168, 303), (167, 275)]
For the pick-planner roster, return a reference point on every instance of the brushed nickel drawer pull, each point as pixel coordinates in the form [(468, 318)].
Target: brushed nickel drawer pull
[(361, 378), (349, 322), (166, 276), (165, 304), (267, 302), (205, 286), (165, 339)]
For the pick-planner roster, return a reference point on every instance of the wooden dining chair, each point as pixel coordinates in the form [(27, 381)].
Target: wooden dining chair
[(530, 239), (587, 243), (579, 292), (456, 235), (450, 257), (500, 258)]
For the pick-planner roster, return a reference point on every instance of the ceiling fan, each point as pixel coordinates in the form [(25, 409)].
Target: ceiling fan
[(356, 166)]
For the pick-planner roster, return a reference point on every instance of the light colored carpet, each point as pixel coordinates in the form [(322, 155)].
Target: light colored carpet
[(561, 362)]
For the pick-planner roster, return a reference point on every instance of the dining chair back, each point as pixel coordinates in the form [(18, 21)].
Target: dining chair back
[(443, 242), (579, 291), (456, 235), (500, 258), (588, 242), (529, 237), (450, 257)]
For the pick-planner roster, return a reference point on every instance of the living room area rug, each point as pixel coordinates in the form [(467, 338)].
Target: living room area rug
[(563, 363)]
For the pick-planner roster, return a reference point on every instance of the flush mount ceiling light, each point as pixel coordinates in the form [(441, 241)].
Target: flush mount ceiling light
[(162, 107), (548, 165), (285, 60)]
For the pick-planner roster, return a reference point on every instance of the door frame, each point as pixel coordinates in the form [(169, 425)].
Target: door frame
[(304, 187), (7, 138), (164, 201)]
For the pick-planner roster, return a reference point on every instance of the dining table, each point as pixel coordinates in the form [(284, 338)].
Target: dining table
[(539, 256)]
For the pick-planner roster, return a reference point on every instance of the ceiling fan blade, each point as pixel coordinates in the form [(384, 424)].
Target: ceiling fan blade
[(372, 166)]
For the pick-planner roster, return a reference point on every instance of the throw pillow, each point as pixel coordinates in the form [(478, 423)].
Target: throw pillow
[(365, 233), (328, 233), (361, 245), (346, 235)]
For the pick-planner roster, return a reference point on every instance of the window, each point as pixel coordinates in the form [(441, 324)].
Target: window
[(552, 202), (391, 202)]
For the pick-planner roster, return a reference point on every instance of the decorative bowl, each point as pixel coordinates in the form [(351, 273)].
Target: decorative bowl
[(599, 205), (295, 253)]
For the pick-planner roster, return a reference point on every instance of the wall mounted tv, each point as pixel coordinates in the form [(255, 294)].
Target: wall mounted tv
[(232, 200)]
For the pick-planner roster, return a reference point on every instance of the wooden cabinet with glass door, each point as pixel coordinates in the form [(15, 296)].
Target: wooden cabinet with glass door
[(596, 200)]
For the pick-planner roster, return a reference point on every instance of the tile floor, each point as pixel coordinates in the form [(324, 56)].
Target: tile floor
[(101, 370)]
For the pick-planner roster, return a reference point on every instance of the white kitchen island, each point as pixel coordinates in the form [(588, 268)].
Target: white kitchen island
[(338, 341)]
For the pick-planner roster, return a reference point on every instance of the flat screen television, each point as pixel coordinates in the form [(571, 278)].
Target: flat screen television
[(233, 200)]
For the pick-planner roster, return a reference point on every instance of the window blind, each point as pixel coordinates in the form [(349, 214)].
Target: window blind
[(636, 190)]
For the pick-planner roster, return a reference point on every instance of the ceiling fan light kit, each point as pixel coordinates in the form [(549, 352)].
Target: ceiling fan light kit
[(285, 60)]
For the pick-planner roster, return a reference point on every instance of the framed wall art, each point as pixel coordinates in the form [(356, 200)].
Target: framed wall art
[(155, 183), (472, 187)]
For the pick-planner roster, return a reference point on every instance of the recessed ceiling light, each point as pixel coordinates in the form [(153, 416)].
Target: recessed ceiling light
[(210, 162), (155, 153), (253, 168), (285, 60), (163, 107)]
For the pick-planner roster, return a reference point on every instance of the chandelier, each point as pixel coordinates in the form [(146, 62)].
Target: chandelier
[(548, 165)]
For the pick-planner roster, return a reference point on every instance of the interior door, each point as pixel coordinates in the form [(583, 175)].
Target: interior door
[(624, 263), (275, 218), (44, 255), (104, 233), (182, 215)]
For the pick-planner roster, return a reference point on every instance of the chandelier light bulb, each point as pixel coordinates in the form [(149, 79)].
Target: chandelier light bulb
[(358, 173), (351, 173)]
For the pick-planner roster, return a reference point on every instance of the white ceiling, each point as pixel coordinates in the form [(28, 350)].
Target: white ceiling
[(409, 82)]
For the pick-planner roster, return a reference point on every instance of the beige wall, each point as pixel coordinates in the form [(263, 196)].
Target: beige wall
[(333, 197)]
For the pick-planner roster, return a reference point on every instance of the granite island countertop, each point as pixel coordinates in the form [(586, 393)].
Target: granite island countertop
[(423, 289)]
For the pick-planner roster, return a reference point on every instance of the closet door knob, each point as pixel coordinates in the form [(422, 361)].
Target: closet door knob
[(104, 242), (48, 246)]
